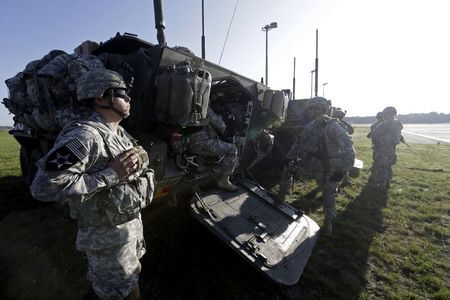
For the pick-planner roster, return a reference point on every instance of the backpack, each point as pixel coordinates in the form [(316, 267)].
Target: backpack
[(43, 96)]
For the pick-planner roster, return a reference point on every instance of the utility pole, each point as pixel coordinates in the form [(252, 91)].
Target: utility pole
[(293, 83), (323, 89), (266, 29), (203, 29), (317, 62), (312, 81)]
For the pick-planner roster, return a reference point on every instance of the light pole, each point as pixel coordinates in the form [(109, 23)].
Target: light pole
[(323, 88), (312, 78), (266, 29)]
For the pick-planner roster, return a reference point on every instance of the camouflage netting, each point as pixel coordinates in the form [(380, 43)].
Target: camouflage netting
[(43, 95)]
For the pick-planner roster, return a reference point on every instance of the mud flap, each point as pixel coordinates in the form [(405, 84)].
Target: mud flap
[(274, 238)]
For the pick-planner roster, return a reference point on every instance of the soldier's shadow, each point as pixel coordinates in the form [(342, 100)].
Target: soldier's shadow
[(348, 247), (308, 202)]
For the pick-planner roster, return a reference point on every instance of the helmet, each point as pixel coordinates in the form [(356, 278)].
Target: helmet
[(390, 110), (319, 102), (339, 113), (379, 115), (95, 82)]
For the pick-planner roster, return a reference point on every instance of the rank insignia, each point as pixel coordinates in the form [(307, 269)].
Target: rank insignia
[(66, 156)]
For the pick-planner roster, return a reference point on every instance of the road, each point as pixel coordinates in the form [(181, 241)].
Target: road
[(424, 133), (427, 133)]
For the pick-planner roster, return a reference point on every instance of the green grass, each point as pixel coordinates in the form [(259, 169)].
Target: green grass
[(9, 155), (384, 246)]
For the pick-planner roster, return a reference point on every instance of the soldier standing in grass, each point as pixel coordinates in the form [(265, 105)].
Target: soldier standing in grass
[(325, 150), (99, 169), (385, 138), (379, 118), (340, 114)]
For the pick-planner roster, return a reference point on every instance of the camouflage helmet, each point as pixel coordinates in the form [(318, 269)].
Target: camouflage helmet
[(95, 82), (390, 110), (319, 102), (339, 113)]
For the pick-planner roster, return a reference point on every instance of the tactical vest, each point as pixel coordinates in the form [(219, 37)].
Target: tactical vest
[(122, 202)]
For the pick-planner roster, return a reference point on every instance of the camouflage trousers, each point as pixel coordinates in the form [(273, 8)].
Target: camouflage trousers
[(217, 147), (327, 186), (287, 176), (114, 272), (381, 170), (329, 189)]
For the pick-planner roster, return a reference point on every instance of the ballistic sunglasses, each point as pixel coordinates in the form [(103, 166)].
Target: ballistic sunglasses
[(118, 93)]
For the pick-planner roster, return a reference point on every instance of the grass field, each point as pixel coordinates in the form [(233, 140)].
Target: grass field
[(392, 245), (9, 155)]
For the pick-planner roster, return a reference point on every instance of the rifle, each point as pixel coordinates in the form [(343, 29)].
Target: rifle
[(402, 139)]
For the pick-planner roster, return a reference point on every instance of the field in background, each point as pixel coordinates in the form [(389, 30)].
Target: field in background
[(391, 245), (9, 155)]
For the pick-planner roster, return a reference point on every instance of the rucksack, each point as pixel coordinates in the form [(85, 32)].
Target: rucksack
[(43, 96)]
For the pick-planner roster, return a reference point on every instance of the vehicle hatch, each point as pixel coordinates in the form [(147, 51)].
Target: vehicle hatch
[(274, 237)]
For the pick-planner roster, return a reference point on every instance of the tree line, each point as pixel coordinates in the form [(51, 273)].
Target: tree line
[(432, 117)]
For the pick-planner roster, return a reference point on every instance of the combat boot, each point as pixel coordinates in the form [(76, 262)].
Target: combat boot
[(225, 184), (281, 196)]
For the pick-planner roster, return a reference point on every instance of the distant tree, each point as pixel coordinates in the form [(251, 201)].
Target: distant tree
[(432, 117)]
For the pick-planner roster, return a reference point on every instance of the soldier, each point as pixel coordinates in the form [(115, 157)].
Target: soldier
[(207, 142), (340, 114), (98, 168), (385, 137), (325, 150), (379, 118)]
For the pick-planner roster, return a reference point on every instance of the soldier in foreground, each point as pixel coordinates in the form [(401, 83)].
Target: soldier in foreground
[(207, 142), (98, 168), (385, 137), (325, 150)]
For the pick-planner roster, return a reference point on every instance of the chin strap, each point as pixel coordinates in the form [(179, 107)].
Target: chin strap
[(111, 107)]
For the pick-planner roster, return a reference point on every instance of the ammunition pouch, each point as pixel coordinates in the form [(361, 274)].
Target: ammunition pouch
[(126, 200)]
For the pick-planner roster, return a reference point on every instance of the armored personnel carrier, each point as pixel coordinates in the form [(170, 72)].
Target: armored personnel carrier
[(171, 90)]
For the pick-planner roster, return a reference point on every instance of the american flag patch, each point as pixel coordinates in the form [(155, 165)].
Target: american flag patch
[(77, 148)]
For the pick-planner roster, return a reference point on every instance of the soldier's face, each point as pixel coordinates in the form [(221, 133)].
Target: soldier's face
[(313, 112), (121, 101)]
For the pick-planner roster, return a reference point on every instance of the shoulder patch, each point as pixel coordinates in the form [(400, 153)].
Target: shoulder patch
[(66, 155)]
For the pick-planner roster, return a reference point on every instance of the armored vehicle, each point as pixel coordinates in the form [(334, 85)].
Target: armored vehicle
[(171, 90)]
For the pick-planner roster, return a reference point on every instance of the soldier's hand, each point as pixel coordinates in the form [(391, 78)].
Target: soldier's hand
[(126, 163)]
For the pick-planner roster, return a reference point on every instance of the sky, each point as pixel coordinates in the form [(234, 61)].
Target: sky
[(372, 53)]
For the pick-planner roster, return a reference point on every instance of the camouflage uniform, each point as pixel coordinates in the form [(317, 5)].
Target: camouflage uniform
[(379, 118), (207, 142), (107, 210), (325, 152), (340, 114), (385, 137)]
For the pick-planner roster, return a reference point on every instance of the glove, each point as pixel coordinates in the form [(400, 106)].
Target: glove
[(143, 158)]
